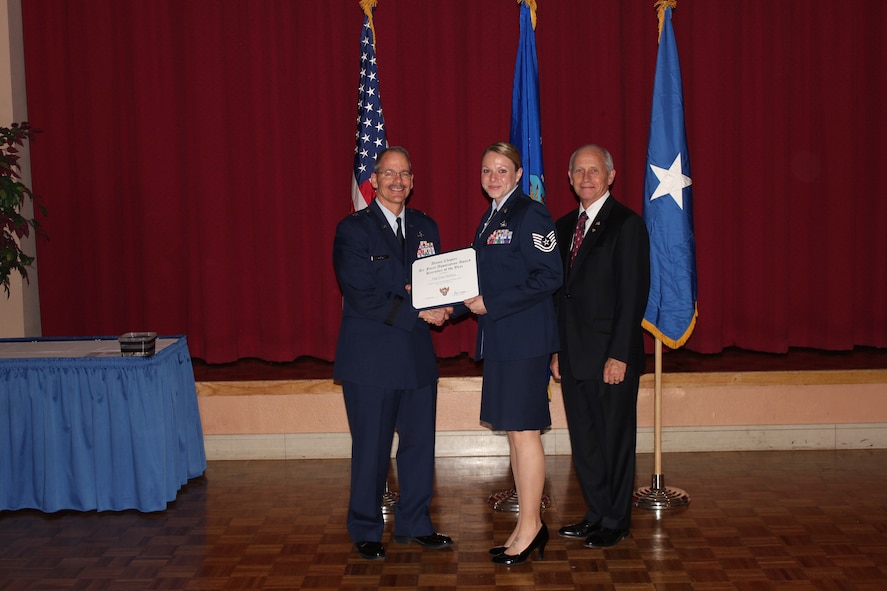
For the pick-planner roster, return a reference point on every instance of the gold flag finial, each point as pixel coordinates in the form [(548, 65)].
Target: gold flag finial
[(368, 6), (532, 5), (661, 5)]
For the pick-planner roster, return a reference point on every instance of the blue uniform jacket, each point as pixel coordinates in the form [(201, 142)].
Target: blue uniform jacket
[(381, 341), (519, 270)]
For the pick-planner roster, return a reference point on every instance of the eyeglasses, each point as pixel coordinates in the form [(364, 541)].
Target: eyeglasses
[(390, 174)]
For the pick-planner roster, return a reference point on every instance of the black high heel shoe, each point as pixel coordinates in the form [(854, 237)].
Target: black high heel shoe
[(496, 551), (538, 542)]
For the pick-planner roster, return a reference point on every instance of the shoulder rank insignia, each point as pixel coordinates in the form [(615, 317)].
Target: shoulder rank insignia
[(545, 243)]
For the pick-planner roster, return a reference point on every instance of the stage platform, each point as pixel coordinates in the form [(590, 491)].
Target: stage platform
[(735, 401)]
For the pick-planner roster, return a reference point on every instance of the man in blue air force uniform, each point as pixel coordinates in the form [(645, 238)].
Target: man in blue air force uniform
[(385, 359)]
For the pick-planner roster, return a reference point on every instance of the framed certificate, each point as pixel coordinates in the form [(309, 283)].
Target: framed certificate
[(444, 279)]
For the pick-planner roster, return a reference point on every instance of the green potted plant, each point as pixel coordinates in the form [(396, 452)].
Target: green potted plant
[(13, 224)]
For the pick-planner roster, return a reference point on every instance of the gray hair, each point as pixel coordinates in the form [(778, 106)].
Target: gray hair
[(398, 149), (608, 158)]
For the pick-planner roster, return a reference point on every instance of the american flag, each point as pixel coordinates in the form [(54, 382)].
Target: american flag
[(370, 137)]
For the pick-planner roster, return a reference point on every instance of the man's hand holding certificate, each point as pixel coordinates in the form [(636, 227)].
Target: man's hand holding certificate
[(444, 279)]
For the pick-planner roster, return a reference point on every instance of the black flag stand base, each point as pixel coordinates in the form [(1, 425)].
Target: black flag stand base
[(389, 500), (659, 497), (506, 500)]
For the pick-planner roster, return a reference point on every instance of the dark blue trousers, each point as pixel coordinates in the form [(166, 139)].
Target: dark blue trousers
[(373, 415)]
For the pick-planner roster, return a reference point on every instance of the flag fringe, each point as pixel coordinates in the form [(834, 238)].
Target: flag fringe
[(660, 6), (532, 5), (668, 341), (368, 6)]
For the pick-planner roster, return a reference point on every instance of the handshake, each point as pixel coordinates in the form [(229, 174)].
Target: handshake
[(436, 316)]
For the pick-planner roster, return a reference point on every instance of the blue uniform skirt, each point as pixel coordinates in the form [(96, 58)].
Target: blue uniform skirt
[(514, 395)]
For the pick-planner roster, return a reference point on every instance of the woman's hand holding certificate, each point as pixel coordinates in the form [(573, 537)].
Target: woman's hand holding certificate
[(445, 278)]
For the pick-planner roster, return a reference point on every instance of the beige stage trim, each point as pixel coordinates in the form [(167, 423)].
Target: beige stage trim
[(466, 384)]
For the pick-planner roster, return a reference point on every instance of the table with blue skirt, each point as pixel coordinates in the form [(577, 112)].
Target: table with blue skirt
[(84, 428)]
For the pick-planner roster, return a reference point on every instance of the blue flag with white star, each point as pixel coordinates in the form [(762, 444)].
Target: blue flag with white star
[(668, 203), (526, 126)]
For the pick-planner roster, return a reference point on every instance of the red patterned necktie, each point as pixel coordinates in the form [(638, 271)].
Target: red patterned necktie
[(578, 235)]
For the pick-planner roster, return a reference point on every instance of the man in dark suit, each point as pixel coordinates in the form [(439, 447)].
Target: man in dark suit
[(606, 252), (385, 359)]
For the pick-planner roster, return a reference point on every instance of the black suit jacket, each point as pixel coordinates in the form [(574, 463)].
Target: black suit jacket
[(602, 302)]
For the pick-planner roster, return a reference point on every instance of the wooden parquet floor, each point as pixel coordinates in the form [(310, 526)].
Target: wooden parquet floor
[(756, 521)]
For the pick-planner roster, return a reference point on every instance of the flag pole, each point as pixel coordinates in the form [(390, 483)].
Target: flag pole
[(667, 206), (657, 496), (369, 140), (657, 409)]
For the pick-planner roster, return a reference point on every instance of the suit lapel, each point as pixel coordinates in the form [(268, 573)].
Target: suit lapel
[(388, 231), (486, 226), (500, 218), (412, 236), (595, 230)]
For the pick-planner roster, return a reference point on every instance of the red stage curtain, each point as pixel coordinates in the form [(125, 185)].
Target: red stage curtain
[(196, 156)]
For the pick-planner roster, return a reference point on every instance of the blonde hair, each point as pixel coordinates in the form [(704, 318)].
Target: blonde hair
[(507, 150)]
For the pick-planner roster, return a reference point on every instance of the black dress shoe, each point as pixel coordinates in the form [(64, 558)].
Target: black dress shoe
[(539, 542), (583, 529), (371, 550), (605, 538), (498, 550), (433, 541)]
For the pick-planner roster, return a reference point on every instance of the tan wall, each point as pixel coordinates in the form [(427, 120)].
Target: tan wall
[(20, 312), (706, 411)]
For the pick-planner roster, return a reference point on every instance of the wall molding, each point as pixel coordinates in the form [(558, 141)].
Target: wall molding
[(304, 446), (726, 411)]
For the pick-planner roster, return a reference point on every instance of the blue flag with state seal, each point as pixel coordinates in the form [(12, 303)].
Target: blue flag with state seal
[(526, 126), (668, 200)]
